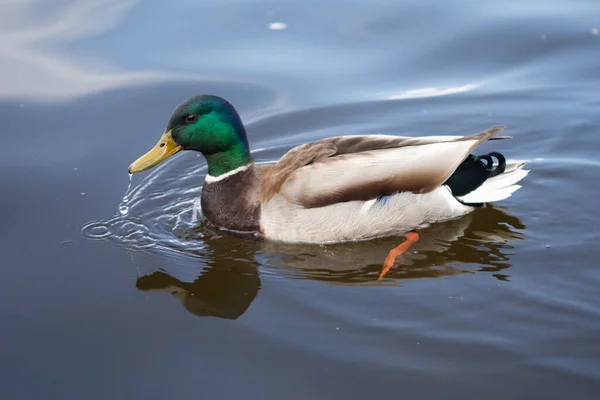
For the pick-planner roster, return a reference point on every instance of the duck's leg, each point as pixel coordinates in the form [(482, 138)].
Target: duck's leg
[(411, 238)]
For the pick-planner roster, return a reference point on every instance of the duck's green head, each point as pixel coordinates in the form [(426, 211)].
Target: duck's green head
[(208, 124)]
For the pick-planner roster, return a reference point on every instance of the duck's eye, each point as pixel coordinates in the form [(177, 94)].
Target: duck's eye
[(191, 118)]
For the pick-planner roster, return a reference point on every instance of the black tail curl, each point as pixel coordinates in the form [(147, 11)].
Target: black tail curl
[(475, 170), (489, 163)]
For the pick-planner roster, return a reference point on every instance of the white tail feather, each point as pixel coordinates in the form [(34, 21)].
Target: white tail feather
[(512, 165), (499, 187)]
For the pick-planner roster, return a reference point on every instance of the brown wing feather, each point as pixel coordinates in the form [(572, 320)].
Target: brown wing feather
[(361, 149)]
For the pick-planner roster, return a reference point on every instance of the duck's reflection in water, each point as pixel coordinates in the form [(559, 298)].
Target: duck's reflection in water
[(224, 288), (218, 293), (480, 241), (227, 286)]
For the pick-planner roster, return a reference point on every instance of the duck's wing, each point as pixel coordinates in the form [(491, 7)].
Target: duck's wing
[(347, 168)]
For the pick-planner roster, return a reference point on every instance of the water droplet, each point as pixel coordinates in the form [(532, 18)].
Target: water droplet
[(123, 207)]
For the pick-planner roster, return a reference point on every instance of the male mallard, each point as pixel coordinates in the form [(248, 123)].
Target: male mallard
[(335, 189)]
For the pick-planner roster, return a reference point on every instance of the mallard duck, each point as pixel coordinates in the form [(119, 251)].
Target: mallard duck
[(342, 188)]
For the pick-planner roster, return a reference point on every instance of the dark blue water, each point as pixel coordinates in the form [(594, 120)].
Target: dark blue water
[(106, 298)]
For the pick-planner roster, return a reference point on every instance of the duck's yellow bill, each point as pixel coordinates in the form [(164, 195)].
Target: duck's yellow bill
[(164, 149)]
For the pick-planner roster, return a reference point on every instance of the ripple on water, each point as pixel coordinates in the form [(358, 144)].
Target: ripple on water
[(156, 216), (162, 212), (68, 244), (96, 230)]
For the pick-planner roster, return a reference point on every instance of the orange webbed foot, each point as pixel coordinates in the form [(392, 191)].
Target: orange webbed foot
[(411, 238)]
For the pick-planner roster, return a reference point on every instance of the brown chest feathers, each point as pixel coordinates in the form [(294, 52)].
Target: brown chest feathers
[(232, 202)]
